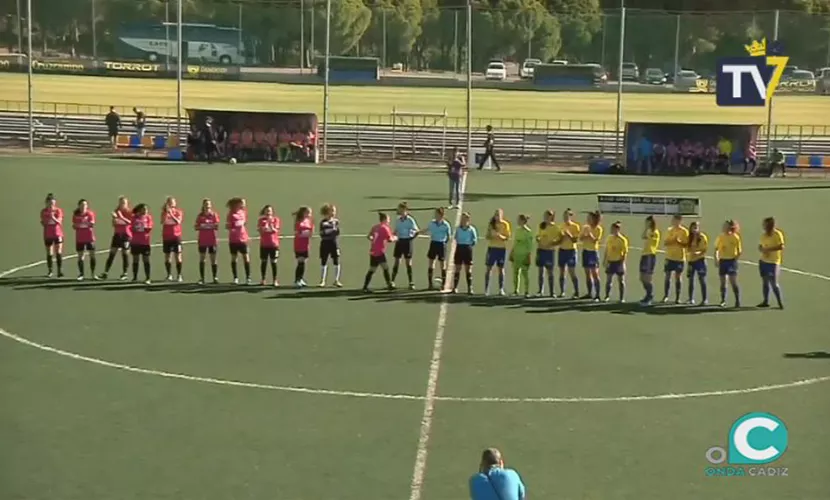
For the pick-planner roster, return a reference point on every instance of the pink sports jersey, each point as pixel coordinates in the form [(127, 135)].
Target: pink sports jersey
[(52, 220), (269, 231), (141, 227), (237, 232), (83, 224), (172, 224), (207, 224), (302, 235), (381, 234), (121, 222)]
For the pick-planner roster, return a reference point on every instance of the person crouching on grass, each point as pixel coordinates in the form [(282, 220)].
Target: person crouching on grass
[(495, 482), (379, 236), (616, 250), (520, 255), (269, 243)]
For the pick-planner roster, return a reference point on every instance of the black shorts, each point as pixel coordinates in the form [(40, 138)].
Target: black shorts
[(52, 241), (113, 133), (376, 260), (463, 255), (205, 249), (236, 248), (140, 250), (266, 253), (120, 241), (81, 247), (437, 250), (403, 248), (171, 246), (329, 249), (300, 255)]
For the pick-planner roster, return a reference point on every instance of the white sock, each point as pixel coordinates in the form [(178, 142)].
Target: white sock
[(325, 272), (337, 272)]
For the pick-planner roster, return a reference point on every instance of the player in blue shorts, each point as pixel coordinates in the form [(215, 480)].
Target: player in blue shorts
[(698, 246), (498, 234), (648, 259), (590, 237), (616, 250), (566, 256), (675, 242), (547, 237), (728, 250), (771, 248)]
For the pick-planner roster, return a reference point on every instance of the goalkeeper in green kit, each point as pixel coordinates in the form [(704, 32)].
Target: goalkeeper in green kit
[(520, 255)]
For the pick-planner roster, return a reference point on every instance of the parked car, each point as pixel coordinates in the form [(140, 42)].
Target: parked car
[(600, 75), (528, 67), (788, 71), (823, 81), (495, 71), (654, 76), (686, 79), (559, 62), (630, 71), (799, 81)]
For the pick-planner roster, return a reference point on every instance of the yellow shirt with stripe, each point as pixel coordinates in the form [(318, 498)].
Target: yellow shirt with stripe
[(698, 249), (676, 240), (572, 228), (591, 237), (773, 240), (728, 246), (502, 229), (548, 237), (651, 242), (616, 248)]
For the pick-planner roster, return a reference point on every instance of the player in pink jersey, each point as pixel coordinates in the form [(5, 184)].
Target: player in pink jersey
[(51, 218), (121, 220), (380, 236), (141, 227), (171, 237), (207, 224), (238, 236), (269, 243), (83, 222), (303, 229)]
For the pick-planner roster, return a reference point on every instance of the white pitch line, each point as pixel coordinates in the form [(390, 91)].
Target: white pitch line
[(420, 467)]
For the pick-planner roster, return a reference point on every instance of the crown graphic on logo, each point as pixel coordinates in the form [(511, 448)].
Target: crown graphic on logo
[(757, 48)]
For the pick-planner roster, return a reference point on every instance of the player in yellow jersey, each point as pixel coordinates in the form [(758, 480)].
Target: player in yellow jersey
[(547, 237), (771, 248), (498, 234), (675, 242), (566, 258), (616, 250), (728, 249), (590, 237), (648, 260), (697, 248)]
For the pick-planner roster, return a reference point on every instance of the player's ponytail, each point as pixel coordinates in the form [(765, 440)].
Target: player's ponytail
[(301, 213)]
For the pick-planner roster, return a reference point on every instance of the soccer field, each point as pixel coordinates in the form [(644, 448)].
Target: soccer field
[(159, 97), (112, 390)]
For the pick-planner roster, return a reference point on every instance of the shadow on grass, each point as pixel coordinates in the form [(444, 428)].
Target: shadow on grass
[(472, 196), (808, 355)]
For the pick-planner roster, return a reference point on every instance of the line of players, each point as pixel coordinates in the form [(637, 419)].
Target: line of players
[(555, 243)]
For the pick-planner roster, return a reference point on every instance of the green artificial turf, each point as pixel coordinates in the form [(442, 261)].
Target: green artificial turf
[(514, 109), (148, 426)]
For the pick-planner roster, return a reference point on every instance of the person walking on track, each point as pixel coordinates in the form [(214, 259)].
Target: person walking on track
[(489, 150)]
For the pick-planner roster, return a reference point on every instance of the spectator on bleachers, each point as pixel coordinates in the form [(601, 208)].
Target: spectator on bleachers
[(140, 122), (724, 154), (113, 121), (776, 163)]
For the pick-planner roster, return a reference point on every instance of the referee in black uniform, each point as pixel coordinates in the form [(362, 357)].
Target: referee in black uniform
[(489, 145)]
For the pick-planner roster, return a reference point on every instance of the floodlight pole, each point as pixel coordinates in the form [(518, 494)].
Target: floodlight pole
[(302, 35), (677, 48), (769, 99), (326, 84), (19, 29), (94, 34), (179, 39), (29, 64), (167, 34), (469, 80), (620, 79)]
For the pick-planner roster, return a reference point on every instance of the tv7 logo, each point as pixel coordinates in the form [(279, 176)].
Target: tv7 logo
[(749, 81)]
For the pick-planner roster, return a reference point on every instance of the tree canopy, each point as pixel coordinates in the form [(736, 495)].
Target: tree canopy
[(431, 34)]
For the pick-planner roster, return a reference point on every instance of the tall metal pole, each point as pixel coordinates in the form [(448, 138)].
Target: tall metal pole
[(455, 43), (619, 78), (94, 33), (302, 35), (167, 48), (19, 29), (677, 47), (769, 98), (469, 80), (529, 35), (240, 49), (313, 58), (383, 20), (326, 84), (29, 64), (602, 50), (179, 56)]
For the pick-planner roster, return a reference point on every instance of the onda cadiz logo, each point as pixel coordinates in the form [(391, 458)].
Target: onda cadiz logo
[(756, 439), (751, 80)]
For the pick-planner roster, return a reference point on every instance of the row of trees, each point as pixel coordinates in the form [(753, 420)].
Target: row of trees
[(430, 34)]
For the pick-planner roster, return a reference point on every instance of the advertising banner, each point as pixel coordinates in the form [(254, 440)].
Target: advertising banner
[(257, 136), (648, 205), (114, 67), (689, 148)]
